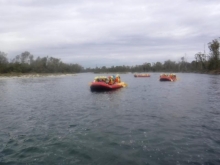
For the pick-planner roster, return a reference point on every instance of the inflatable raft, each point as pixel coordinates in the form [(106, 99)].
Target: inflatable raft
[(102, 86), (168, 77), (141, 75)]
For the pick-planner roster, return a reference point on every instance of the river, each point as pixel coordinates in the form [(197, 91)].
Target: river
[(58, 120)]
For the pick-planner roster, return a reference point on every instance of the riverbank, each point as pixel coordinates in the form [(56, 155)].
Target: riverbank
[(34, 75), (215, 72)]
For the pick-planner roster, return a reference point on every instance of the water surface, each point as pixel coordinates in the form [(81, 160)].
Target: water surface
[(58, 120)]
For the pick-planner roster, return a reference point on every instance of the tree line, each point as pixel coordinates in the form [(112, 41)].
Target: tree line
[(26, 63), (202, 63)]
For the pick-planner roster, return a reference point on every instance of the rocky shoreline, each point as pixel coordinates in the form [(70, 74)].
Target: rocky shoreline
[(34, 75)]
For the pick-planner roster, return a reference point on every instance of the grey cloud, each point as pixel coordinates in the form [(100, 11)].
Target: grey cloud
[(110, 32)]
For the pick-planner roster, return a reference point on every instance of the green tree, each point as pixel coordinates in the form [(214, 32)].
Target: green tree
[(3, 62), (201, 61), (146, 67), (53, 64), (3, 58), (182, 65), (169, 66), (214, 54)]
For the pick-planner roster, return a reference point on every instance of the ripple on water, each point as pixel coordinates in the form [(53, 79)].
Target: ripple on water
[(59, 121)]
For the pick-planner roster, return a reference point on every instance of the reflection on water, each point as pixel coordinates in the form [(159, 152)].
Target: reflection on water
[(60, 121)]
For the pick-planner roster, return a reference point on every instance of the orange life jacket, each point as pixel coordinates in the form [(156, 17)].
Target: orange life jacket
[(116, 80), (110, 81)]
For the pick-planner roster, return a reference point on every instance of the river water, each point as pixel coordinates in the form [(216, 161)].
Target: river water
[(58, 120)]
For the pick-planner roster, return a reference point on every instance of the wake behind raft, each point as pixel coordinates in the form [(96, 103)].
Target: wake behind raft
[(104, 83)]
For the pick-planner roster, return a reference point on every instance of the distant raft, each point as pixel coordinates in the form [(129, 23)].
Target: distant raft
[(142, 75), (168, 77)]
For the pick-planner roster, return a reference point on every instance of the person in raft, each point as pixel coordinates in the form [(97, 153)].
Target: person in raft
[(111, 80), (108, 80), (114, 79), (117, 79), (100, 79)]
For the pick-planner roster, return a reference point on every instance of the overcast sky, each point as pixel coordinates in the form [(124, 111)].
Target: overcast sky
[(109, 32)]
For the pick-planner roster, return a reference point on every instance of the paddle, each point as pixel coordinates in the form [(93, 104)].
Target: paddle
[(124, 85)]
